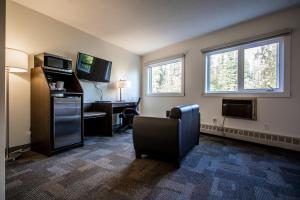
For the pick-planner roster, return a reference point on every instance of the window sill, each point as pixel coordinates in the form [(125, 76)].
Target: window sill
[(166, 95), (257, 94)]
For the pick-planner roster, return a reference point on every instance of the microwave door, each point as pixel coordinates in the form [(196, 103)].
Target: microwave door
[(54, 62)]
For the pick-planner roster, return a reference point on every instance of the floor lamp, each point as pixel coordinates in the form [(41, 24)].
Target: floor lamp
[(15, 61)]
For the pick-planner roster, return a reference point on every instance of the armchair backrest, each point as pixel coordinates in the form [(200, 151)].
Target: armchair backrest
[(190, 123), (184, 110)]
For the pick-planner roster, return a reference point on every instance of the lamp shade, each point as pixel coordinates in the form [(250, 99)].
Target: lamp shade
[(16, 60), (123, 84)]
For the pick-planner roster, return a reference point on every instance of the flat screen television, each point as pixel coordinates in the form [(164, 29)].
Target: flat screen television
[(92, 68)]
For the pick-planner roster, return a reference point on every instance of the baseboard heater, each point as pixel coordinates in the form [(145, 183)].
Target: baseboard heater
[(242, 108), (282, 141)]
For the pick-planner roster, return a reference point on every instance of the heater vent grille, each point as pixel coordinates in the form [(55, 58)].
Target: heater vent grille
[(244, 108), (253, 136)]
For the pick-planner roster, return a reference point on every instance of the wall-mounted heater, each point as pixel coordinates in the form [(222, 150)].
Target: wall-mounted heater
[(242, 108)]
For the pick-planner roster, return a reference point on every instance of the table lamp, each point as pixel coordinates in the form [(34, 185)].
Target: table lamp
[(123, 84), (15, 61)]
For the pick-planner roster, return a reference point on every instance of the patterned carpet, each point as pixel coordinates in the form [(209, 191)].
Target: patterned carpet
[(106, 168)]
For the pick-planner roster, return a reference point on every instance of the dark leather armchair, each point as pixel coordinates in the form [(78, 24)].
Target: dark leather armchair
[(170, 137)]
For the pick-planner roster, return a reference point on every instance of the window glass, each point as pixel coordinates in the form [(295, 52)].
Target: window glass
[(224, 71), (260, 67), (166, 77), (250, 68)]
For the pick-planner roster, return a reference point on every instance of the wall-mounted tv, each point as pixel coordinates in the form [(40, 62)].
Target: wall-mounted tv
[(92, 68)]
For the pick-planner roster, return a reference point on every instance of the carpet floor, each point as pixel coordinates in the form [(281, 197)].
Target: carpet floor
[(106, 168)]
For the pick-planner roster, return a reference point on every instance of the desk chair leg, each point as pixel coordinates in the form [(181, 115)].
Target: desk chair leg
[(138, 155), (125, 128), (122, 128)]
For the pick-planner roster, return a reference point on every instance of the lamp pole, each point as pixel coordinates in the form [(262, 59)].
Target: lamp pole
[(16, 154), (7, 115), (15, 61)]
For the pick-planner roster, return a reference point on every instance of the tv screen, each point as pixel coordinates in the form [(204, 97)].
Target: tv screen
[(92, 68)]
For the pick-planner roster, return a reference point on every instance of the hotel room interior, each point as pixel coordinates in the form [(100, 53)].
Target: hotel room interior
[(149, 99)]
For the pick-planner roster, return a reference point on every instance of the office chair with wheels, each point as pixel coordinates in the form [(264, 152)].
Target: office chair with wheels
[(127, 116)]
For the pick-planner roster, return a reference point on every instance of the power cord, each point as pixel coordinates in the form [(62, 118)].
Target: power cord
[(99, 90), (223, 130)]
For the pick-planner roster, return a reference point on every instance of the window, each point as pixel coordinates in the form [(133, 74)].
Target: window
[(166, 78), (256, 67)]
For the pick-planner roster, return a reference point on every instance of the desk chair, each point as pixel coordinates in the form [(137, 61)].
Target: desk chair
[(127, 116)]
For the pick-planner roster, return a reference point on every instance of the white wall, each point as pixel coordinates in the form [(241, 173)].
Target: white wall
[(35, 33), (280, 114), (2, 99)]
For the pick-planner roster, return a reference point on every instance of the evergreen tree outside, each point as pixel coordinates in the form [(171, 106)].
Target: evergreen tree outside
[(259, 71), (224, 71), (261, 67), (167, 78)]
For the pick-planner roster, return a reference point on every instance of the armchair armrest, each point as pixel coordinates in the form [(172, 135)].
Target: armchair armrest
[(156, 135)]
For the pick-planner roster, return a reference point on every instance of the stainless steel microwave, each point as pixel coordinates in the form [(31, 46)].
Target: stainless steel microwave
[(53, 62)]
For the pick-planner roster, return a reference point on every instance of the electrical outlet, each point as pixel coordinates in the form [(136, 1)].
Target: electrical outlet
[(215, 121), (266, 127), (28, 133)]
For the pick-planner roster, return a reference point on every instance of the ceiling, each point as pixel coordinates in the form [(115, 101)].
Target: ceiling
[(142, 26)]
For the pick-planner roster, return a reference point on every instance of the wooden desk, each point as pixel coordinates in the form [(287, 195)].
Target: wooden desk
[(103, 125), (90, 115)]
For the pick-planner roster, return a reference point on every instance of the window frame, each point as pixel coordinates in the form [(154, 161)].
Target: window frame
[(283, 68), (165, 61)]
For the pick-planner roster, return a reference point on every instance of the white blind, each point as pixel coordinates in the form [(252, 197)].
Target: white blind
[(278, 33)]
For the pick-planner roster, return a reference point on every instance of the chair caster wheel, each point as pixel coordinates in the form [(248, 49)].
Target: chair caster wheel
[(138, 156)]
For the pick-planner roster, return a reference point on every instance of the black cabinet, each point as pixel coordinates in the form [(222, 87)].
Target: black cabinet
[(56, 122)]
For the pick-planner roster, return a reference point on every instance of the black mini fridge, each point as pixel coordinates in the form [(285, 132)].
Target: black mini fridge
[(67, 121)]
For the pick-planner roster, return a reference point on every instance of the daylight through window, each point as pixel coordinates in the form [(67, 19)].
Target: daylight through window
[(166, 77), (251, 68)]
